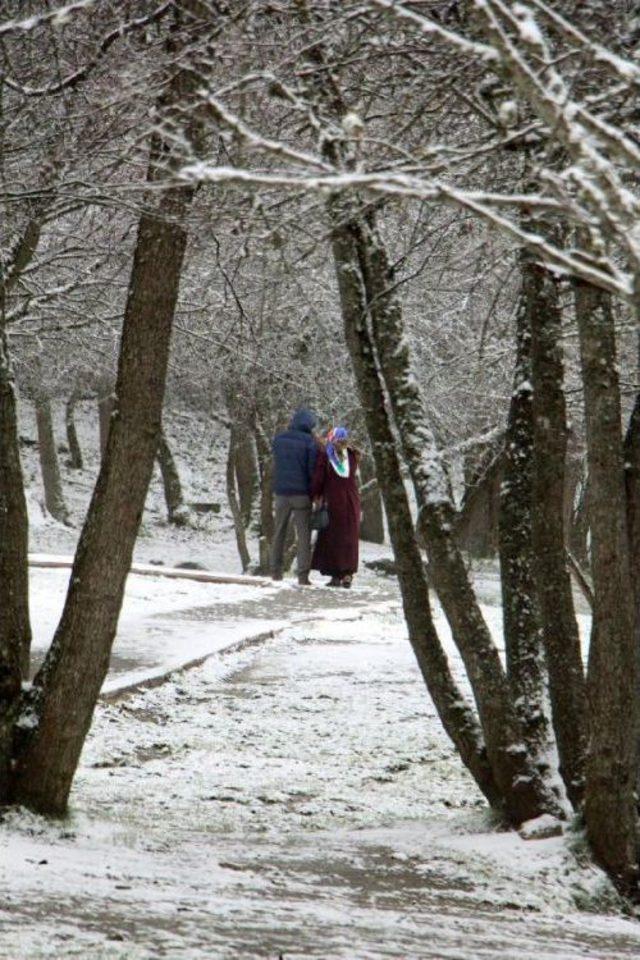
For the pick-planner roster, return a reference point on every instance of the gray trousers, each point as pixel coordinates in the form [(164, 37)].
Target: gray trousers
[(300, 506)]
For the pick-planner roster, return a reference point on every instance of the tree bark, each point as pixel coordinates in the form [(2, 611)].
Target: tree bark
[(267, 523), (521, 614), (75, 451), (477, 524), (177, 512), (456, 715), (15, 630), (246, 470), (612, 677), (579, 525), (549, 489), (525, 794), (67, 686), (49, 463), (234, 503), (632, 490)]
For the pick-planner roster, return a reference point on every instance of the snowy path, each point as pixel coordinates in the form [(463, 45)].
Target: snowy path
[(298, 799)]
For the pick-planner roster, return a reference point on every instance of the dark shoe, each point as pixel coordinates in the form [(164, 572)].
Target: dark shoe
[(334, 582), (303, 581), (346, 582)]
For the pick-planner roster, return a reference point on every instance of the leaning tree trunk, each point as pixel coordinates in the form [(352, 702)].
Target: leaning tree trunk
[(521, 614), (177, 512), (456, 715), (49, 463), (549, 489), (15, 631), (67, 686), (75, 451), (612, 677), (525, 794)]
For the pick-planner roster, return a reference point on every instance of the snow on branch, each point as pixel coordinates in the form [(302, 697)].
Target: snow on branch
[(619, 66), (220, 113), (56, 18), (431, 28), (79, 75), (481, 203)]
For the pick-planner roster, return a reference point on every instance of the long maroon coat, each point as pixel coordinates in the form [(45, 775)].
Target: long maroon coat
[(336, 550)]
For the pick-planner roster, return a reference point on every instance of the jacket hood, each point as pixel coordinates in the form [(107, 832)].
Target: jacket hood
[(303, 420)]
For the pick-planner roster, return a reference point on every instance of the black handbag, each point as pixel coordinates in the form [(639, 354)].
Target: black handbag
[(320, 517)]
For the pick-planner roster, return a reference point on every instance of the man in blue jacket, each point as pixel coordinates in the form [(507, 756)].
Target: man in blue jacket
[(294, 459)]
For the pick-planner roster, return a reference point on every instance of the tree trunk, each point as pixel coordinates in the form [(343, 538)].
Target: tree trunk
[(106, 409), (75, 451), (477, 524), (177, 513), (234, 503), (612, 677), (15, 631), (49, 464), (579, 524), (267, 524), (521, 614), (524, 793), (67, 686), (372, 525), (549, 488), (456, 715), (246, 470), (632, 489)]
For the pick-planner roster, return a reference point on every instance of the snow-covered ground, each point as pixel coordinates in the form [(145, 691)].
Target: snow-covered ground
[(294, 797)]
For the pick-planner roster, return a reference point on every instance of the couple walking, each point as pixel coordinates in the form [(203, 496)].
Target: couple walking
[(310, 473)]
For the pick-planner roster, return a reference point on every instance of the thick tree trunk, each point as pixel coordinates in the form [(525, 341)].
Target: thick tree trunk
[(456, 715), (15, 631), (234, 503), (68, 684), (177, 512), (525, 794), (372, 525), (521, 614), (549, 488), (612, 678), (75, 451), (49, 463)]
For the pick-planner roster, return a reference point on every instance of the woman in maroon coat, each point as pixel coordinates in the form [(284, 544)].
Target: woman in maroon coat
[(334, 483)]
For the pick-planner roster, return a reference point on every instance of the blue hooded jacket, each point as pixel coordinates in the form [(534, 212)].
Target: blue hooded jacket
[(294, 456)]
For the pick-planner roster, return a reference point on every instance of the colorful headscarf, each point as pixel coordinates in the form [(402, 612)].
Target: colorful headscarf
[(341, 467)]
